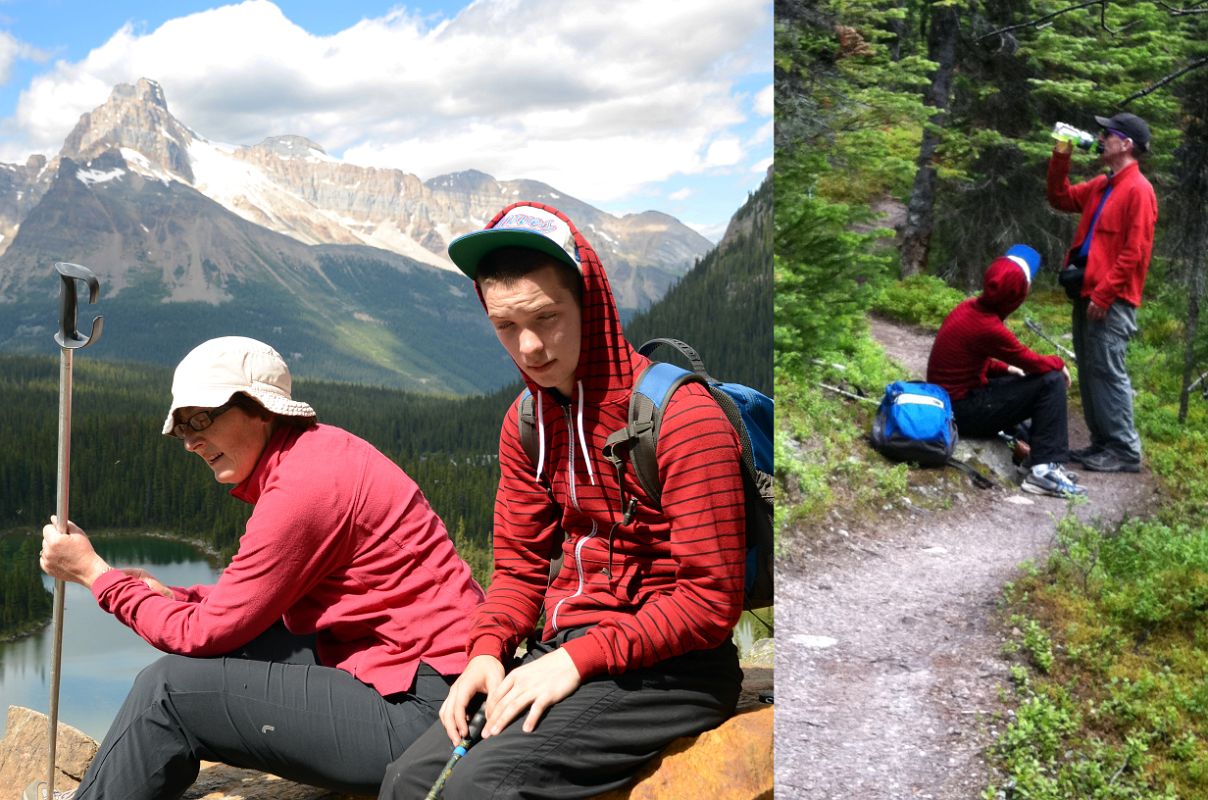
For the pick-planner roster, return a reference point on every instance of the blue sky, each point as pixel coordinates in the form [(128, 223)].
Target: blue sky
[(628, 105)]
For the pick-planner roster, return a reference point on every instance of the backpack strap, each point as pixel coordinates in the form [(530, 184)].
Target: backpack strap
[(526, 419), (637, 442), (723, 398), (979, 480)]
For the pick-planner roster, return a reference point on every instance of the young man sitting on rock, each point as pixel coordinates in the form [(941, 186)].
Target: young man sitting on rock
[(996, 382), (636, 649)]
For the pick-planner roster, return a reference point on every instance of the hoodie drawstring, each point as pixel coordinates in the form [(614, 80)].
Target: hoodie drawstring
[(540, 436), (591, 475)]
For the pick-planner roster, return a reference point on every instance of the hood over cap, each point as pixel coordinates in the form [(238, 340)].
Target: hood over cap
[(1008, 279), (607, 367)]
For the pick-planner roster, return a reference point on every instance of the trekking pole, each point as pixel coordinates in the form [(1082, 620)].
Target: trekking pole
[(477, 723), (1035, 328), (851, 395), (69, 338)]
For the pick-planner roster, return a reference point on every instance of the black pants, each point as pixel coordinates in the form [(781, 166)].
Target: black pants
[(1007, 401), (591, 742), (270, 708)]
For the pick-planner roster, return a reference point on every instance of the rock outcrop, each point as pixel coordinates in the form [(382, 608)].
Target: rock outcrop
[(731, 762), (23, 753)]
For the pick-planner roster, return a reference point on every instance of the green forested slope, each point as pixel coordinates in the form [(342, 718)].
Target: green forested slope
[(723, 307)]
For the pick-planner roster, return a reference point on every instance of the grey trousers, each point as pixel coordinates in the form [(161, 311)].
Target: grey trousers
[(591, 742), (1107, 395), (287, 716)]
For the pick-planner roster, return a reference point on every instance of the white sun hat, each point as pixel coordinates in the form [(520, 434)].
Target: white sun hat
[(217, 369)]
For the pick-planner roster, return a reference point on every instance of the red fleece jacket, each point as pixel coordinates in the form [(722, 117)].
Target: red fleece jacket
[(1118, 260), (341, 543), (973, 344), (666, 584)]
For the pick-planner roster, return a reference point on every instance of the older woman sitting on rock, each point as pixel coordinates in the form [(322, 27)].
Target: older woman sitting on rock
[(328, 643)]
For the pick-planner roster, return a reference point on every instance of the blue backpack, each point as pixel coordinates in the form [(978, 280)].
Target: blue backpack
[(749, 411), (915, 423)]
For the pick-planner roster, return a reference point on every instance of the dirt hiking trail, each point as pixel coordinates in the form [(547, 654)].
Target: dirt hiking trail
[(889, 651)]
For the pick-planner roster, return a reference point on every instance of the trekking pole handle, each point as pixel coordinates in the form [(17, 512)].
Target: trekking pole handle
[(69, 337)]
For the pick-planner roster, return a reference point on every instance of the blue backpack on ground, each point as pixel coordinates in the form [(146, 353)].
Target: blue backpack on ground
[(915, 423), (750, 413)]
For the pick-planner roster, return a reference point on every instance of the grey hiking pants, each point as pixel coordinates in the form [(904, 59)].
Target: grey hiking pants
[(1107, 395), (593, 741), (269, 708)]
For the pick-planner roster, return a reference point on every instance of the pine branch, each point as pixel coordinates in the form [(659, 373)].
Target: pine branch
[(1035, 23), (1194, 8), (1153, 87)]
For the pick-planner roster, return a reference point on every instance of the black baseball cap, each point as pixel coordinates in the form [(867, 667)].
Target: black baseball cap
[(1129, 124)]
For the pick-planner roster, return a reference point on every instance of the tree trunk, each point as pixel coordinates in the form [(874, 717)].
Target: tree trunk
[(1193, 321), (920, 214)]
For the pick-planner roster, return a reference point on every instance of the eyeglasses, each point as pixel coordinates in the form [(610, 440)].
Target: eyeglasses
[(200, 421), (1105, 132)]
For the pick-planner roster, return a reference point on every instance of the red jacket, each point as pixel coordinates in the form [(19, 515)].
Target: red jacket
[(1118, 260), (341, 543), (973, 344), (668, 583)]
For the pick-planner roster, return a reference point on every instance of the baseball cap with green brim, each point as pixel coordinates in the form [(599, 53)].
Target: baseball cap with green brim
[(523, 226)]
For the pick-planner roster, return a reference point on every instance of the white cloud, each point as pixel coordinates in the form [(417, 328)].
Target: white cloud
[(761, 166), (13, 49), (724, 152), (764, 104), (682, 194), (596, 102)]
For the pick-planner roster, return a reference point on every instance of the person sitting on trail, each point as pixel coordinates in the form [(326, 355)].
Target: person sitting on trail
[(636, 648), (996, 382), (332, 637)]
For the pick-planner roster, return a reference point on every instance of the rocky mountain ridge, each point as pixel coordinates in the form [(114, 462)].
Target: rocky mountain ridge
[(290, 185)]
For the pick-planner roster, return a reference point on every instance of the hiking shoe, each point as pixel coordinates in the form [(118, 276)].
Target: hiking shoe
[(1053, 481), (1084, 452), (1106, 461), (37, 791)]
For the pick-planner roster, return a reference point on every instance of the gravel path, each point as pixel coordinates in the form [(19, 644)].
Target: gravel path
[(888, 664)]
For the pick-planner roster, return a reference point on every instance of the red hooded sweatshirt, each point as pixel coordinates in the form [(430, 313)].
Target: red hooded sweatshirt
[(667, 583), (974, 345)]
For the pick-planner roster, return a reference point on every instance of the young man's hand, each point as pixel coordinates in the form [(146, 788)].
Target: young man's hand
[(1014, 370), (535, 686), (482, 676), (1095, 312)]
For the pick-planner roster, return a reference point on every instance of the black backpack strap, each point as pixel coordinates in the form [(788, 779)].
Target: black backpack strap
[(979, 480), (685, 349), (637, 442), (526, 419)]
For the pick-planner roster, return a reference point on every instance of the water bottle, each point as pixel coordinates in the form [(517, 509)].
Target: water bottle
[(1068, 133)]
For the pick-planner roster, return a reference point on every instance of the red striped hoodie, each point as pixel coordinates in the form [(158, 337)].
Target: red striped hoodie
[(667, 583)]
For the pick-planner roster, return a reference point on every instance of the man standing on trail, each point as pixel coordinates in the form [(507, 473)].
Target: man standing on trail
[(636, 648), (1104, 275), (996, 383)]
